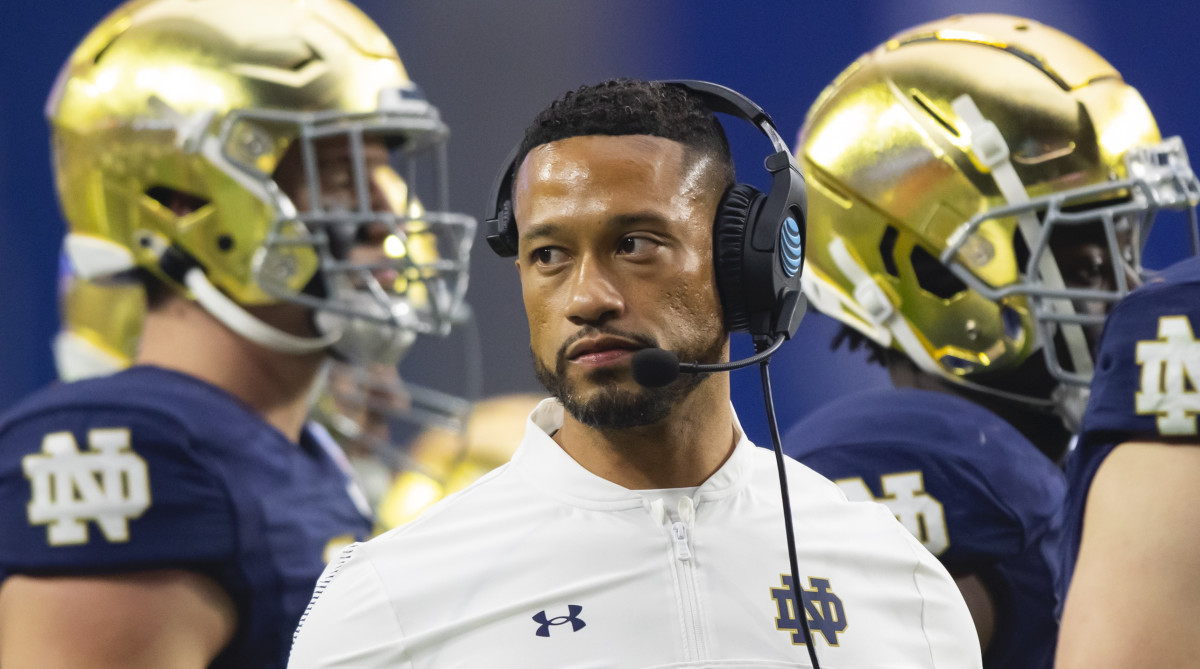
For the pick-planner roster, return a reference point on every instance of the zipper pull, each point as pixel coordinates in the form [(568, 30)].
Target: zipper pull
[(679, 533)]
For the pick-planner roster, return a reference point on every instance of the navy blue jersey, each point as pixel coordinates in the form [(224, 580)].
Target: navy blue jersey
[(150, 469), (975, 491), (1146, 385)]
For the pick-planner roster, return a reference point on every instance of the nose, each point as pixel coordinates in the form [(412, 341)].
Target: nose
[(595, 296)]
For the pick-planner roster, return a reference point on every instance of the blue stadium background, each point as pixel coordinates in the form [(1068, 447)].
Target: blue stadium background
[(490, 66)]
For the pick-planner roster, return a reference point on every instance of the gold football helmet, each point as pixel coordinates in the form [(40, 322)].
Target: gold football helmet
[(198, 102), (950, 167)]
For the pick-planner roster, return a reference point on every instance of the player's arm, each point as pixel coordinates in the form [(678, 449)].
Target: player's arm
[(979, 602), (1135, 596), (171, 619)]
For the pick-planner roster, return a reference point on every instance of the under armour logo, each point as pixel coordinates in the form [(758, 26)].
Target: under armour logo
[(823, 608), (1170, 374), (108, 484), (573, 611)]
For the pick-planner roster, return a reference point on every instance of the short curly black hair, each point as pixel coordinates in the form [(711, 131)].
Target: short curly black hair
[(635, 107)]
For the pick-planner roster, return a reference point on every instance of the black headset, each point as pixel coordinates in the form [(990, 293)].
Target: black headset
[(758, 239)]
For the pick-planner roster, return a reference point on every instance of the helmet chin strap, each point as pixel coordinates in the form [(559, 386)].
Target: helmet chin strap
[(236, 318)]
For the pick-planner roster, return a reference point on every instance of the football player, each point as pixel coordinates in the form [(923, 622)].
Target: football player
[(357, 410), (980, 188), (1130, 541), (359, 406), (238, 157)]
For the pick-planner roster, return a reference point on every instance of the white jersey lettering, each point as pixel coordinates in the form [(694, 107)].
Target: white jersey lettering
[(1170, 373), (108, 484), (904, 495)]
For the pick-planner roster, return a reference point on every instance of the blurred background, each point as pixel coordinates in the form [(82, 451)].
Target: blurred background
[(491, 66)]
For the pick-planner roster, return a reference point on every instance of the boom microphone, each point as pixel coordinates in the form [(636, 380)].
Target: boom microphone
[(656, 367)]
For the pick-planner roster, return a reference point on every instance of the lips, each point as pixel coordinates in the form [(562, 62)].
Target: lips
[(601, 350)]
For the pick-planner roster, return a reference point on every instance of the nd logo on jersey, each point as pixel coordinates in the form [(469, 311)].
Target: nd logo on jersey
[(1170, 376), (107, 484)]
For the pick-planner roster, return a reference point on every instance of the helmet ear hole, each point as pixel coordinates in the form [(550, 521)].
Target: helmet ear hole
[(181, 203), (887, 250), (933, 276)]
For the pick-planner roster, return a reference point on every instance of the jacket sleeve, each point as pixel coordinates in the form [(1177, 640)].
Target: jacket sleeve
[(945, 619), (349, 622)]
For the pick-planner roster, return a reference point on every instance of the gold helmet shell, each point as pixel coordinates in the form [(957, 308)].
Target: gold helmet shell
[(939, 163), (201, 100)]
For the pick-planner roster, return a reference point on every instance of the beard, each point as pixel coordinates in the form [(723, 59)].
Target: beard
[(610, 407)]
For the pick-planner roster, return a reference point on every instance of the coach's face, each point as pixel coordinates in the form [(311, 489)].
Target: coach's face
[(615, 255)]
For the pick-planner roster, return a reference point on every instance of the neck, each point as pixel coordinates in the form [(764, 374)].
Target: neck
[(183, 337), (682, 450)]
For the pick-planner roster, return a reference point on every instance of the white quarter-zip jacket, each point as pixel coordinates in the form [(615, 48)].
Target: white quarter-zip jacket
[(541, 563)]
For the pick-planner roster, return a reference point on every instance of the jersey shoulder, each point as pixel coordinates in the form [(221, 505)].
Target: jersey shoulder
[(919, 423), (1147, 379), (106, 474), (963, 480)]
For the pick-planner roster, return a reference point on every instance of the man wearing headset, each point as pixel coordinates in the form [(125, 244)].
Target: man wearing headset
[(234, 157), (634, 526)]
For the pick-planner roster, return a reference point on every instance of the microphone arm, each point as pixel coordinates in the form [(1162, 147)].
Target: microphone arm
[(762, 354), (656, 367)]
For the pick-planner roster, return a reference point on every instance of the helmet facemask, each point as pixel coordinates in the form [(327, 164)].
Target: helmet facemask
[(1082, 253), (386, 268)]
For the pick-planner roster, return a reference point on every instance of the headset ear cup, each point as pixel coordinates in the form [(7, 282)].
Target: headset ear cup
[(729, 239), (501, 227), (502, 232), (508, 227)]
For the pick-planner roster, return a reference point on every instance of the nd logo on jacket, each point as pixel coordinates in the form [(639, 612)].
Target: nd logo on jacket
[(824, 609)]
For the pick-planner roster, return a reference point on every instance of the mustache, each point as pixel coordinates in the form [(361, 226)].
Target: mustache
[(592, 330)]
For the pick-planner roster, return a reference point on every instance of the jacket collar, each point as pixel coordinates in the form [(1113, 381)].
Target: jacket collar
[(543, 463)]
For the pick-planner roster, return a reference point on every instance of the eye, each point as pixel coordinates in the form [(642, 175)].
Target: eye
[(549, 255), (632, 245), (1087, 271)]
